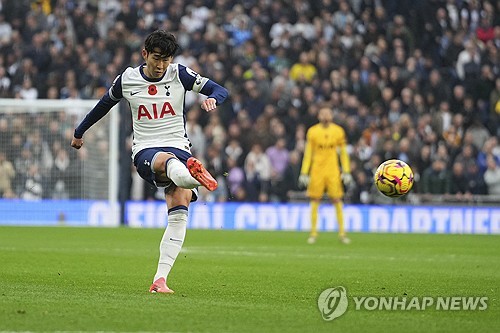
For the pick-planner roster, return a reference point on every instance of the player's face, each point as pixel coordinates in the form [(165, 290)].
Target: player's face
[(156, 64), (325, 115)]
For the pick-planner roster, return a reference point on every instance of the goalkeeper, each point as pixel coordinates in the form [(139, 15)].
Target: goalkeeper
[(320, 171)]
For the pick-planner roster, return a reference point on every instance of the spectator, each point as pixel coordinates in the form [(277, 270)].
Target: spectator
[(475, 180), (436, 179), (236, 181), (487, 150), (492, 175), (479, 134), (4, 83), (32, 184), (494, 115), (195, 132), (279, 157), (7, 174), (467, 156), (360, 58), (361, 192), (27, 90), (468, 60), (258, 172), (292, 172), (459, 186), (484, 31), (216, 165), (343, 16), (303, 71), (5, 31), (61, 174)]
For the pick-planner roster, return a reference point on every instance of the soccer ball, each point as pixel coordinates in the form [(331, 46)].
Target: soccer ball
[(393, 178)]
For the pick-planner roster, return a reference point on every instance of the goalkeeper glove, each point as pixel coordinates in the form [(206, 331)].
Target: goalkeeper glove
[(303, 180), (347, 179)]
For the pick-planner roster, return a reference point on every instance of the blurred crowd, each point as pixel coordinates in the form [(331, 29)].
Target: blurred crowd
[(413, 80)]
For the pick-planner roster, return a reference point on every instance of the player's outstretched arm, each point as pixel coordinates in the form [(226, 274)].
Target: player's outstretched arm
[(100, 110), (216, 94)]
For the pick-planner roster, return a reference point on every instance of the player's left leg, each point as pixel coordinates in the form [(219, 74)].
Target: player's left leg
[(314, 221), (164, 167), (177, 200)]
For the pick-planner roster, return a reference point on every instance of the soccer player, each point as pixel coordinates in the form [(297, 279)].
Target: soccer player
[(161, 152), (320, 170)]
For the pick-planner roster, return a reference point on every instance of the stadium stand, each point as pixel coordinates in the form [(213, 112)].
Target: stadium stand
[(414, 80)]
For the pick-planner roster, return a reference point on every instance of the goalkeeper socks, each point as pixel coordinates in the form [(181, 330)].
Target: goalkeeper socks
[(340, 217), (314, 218), (172, 240), (179, 174)]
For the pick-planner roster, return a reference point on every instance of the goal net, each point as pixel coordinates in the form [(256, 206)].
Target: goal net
[(42, 175)]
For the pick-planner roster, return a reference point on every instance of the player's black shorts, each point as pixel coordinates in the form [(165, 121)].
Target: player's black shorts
[(144, 160)]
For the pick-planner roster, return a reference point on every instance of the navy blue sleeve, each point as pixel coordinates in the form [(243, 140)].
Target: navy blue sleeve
[(100, 110), (187, 78), (192, 81), (115, 92), (214, 90)]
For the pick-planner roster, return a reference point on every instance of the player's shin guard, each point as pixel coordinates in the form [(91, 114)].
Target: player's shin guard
[(172, 240), (179, 174), (314, 218), (339, 209)]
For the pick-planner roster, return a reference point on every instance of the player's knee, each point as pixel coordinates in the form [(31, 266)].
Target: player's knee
[(161, 161), (179, 196)]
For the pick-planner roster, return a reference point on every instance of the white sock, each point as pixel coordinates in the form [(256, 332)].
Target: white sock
[(172, 240), (179, 174)]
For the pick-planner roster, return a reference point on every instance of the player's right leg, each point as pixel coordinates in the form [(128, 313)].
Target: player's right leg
[(169, 166), (162, 166), (315, 191), (194, 175)]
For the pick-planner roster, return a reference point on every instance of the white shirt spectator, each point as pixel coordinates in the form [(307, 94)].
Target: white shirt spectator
[(257, 164), (304, 28), (190, 23), (492, 176), (280, 28), (5, 31), (469, 54), (27, 91)]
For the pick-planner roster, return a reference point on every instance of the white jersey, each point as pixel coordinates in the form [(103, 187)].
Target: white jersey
[(157, 105)]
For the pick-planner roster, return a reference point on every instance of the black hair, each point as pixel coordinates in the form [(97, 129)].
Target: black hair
[(162, 40)]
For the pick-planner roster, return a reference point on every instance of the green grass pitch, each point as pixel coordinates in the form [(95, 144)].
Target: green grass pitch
[(92, 279)]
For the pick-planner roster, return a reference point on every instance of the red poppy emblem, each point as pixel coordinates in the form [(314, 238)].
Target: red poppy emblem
[(152, 90)]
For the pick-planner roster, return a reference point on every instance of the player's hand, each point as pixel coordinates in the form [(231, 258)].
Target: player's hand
[(209, 104), (347, 179), (76, 143), (303, 180)]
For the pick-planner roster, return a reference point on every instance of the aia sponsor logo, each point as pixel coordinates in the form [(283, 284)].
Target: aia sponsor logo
[(154, 111)]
